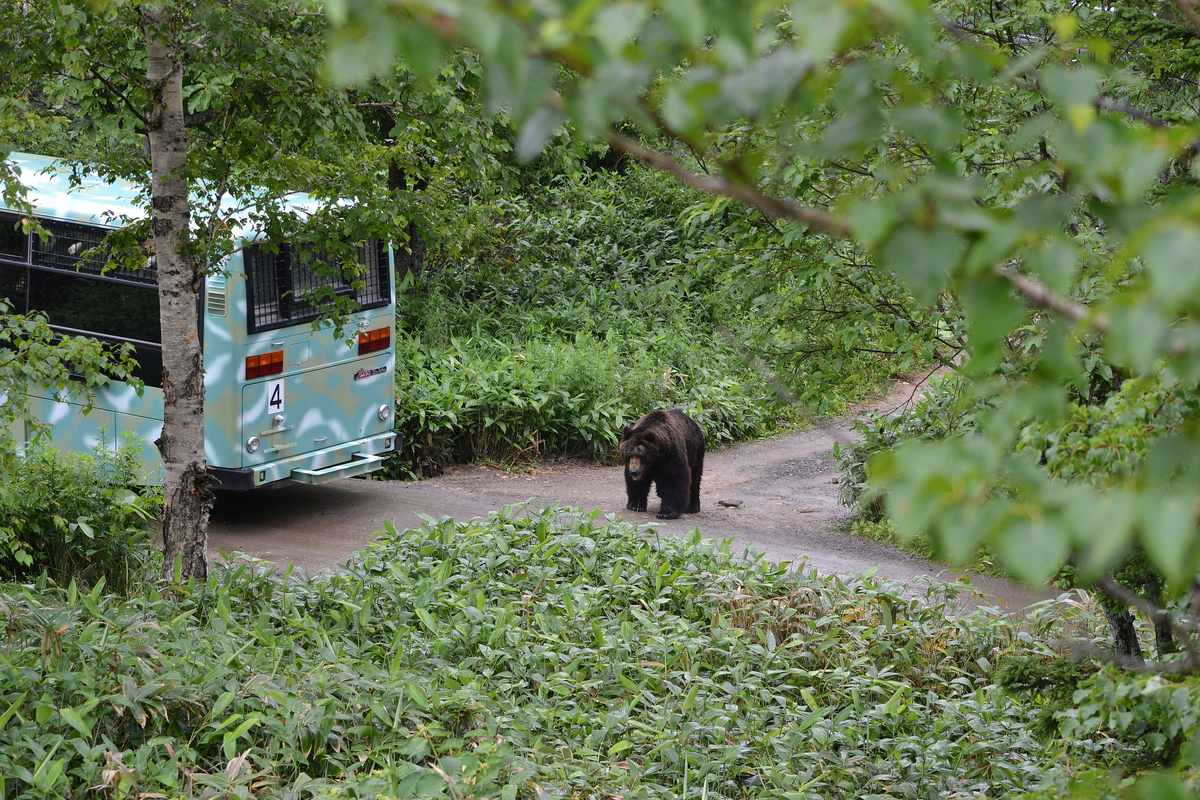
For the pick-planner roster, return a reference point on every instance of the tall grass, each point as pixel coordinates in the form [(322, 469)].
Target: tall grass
[(469, 400)]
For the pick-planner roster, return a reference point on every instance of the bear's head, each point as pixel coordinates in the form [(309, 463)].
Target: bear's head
[(639, 451)]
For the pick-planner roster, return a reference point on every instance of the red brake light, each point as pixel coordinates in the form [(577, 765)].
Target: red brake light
[(265, 364), (378, 339)]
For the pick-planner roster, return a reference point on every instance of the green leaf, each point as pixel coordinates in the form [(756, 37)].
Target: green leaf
[(821, 28), (44, 711), (1055, 264), (959, 535), (1162, 787), (937, 128), (872, 220), (993, 312), (1169, 534), (537, 131), (617, 23), (1172, 259), (12, 709), (923, 260), (1136, 336), (221, 704), (75, 721), (1102, 528), (1071, 88), (687, 20), (427, 620), (619, 747), (423, 50), (364, 48), (1032, 549)]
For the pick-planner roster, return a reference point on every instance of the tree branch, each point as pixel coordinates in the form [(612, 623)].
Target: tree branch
[(1131, 664), (806, 215), (1039, 295), (199, 118), (1187, 8), (1105, 103), (119, 95), (1034, 292)]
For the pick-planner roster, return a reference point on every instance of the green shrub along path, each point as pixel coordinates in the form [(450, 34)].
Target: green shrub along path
[(526, 656)]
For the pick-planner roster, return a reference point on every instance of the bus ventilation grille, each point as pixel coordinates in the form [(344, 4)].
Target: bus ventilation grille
[(217, 305)]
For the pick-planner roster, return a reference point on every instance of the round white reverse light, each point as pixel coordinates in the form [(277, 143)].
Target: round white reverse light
[(252, 444), (385, 412)]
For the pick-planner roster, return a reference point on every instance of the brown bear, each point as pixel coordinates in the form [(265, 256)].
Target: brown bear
[(665, 447)]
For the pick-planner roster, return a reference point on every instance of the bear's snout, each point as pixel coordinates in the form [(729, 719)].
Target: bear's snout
[(635, 469)]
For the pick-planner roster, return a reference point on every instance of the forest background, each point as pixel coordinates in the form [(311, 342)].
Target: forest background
[(755, 212)]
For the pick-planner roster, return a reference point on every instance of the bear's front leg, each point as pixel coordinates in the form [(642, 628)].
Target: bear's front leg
[(674, 494), (637, 492)]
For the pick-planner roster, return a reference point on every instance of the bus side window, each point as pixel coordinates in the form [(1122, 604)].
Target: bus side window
[(14, 242), (97, 306), (14, 286)]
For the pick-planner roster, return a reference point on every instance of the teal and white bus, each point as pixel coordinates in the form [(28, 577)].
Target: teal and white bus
[(283, 401)]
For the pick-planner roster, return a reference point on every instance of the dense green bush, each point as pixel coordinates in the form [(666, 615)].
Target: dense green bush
[(1105, 443), (76, 516), (1153, 715), (483, 400), (1102, 443), (536, 654), (940, 412)]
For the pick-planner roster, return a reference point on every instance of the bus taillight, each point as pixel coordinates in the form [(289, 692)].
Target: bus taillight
[(378, 339), (265, 364)]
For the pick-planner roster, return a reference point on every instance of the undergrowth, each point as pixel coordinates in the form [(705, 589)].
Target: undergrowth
[(76, 516), (534, 654)]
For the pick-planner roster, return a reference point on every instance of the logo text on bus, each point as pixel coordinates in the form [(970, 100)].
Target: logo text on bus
[(366, 373)]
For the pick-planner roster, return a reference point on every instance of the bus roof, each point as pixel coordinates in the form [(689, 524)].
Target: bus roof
[(58, 192), (93, 201)]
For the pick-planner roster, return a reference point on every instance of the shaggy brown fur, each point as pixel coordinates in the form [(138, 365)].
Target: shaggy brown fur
[(666, 448)]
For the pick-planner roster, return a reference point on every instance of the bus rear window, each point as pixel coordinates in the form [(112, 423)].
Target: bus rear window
[(284, 286)]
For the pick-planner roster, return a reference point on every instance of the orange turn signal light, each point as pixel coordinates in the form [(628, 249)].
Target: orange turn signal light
[(265, 364), (378, 339)]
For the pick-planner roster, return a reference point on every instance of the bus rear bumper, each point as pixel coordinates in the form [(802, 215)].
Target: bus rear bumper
[(320, 466)]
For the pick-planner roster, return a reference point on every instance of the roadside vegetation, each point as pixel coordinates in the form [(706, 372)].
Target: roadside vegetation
[(77, 517), (553, 653)]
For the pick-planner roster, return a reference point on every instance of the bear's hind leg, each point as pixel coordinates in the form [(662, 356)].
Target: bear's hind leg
[(693, 506)]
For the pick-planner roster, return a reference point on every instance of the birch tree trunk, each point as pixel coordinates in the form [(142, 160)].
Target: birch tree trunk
[(187, 497)]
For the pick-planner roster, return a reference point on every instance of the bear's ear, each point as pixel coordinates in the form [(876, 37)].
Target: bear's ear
[(649, 437), (625, 432)]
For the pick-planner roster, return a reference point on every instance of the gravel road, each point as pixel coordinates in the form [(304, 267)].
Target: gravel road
[(786, 486)]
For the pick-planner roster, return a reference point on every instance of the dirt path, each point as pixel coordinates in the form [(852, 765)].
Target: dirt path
[(787, 486)]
